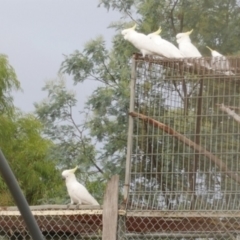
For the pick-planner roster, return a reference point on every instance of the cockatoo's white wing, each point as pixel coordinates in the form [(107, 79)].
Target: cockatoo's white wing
[(138, 40), (141, 42), (165, 47), (79, 194), (220, 62), (170, 50), (185, 46), (189, 50), (156, 39)]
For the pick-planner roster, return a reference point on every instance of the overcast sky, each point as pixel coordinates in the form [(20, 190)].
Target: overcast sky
[(36, 33)]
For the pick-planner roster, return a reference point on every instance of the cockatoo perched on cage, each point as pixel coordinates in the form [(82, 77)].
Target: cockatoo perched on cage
[(167, 47), (185, 45), (187, 49), (138, 40), (77, 192), (220, 62), (143, 43)]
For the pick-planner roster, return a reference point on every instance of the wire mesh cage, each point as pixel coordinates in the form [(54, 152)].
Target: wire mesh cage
[(54, 223), (184, 150), (182, 170)]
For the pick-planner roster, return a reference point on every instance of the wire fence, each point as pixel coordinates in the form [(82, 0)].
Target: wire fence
[(182, 169), (55, 222), (184, 157)]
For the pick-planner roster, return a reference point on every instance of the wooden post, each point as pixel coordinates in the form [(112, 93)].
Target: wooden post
[(110, 210), (130, 130)]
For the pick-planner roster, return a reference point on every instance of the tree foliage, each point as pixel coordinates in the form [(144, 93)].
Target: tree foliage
[(27, 153), (72, 145), (8, 82), (24, 147), (215, 24)]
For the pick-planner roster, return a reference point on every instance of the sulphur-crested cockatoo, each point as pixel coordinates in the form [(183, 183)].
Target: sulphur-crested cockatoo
[(220, 62), (167, 47), (144, 43), (77, 192), (185, 45), (187, 49), (138, 40)]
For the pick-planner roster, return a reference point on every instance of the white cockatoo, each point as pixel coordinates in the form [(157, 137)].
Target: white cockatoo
[(143, 43), (138, 40), (185, 45), (187, 49), (168, 48), (220, 62), (77, 192)]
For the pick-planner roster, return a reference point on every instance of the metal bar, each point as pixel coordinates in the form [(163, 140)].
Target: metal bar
[(82, 208), (183, 214), (197, 141), (130, 129), (19, 198), (179, 235)]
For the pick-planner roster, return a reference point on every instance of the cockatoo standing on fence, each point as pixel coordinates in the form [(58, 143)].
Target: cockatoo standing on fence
[(144, 43), (77, 192), (167, 47), (138, 40), (187, 49), (185, 45), (220, 62)]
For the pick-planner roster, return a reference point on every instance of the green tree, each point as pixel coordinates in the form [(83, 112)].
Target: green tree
[(8, 82), (72, 145), (27, 153), (107, 108), (23, 145), (215, 26)]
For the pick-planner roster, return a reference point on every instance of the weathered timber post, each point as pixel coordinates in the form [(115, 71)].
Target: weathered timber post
[(110, 210), (130, 131)]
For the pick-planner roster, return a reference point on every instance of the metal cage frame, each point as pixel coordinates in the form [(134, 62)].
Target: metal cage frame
[(183, 162)]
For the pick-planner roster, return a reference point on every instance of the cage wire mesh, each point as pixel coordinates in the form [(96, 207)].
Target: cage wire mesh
[(184, 159), (63, 221), (65, 224), (184, 174)]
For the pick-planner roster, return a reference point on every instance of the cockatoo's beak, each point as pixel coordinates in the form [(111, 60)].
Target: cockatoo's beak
[(209, 48), (158, 31), (188, 33)]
